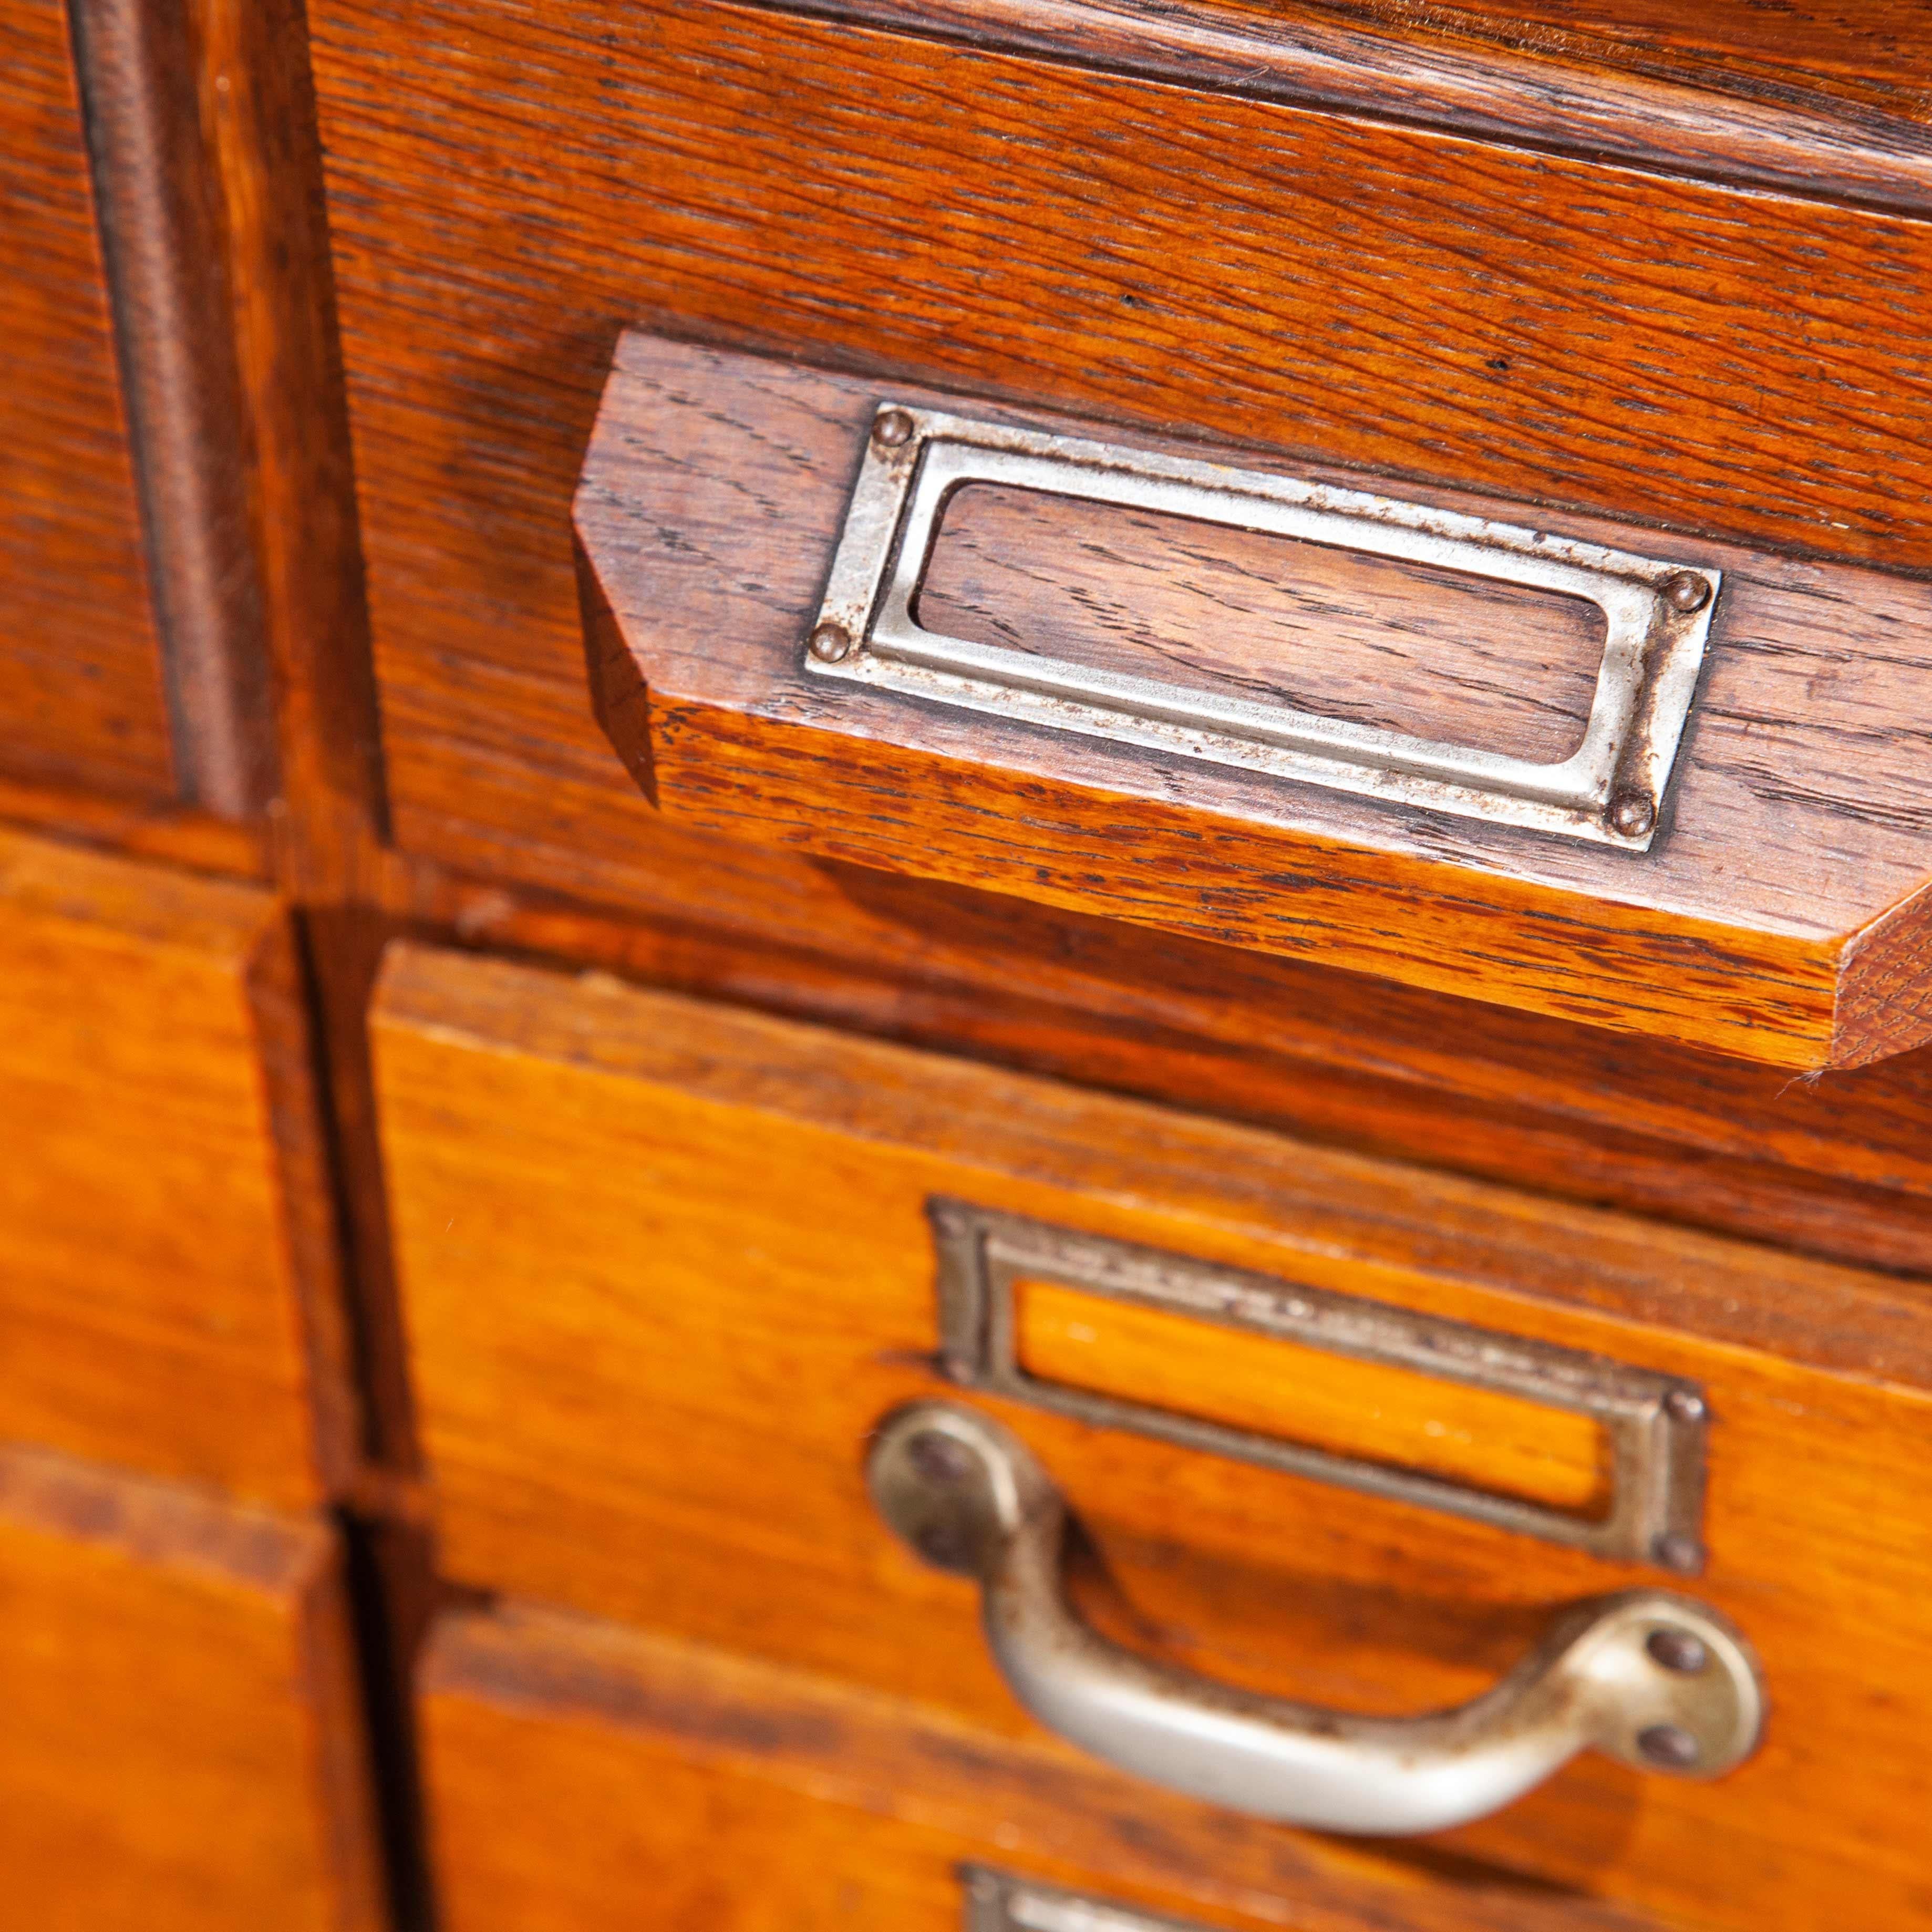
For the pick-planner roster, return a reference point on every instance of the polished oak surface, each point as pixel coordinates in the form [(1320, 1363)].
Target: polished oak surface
[(784, 1802), (81, 696), (666, 1265), (1796, 96), (1348, 301), (1873, 54), (1430, 652), (1369, 232), (184, 1743), (1670, 349), (170, 1295)]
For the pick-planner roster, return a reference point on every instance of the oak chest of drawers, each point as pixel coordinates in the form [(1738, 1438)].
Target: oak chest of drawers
[(966, 965)]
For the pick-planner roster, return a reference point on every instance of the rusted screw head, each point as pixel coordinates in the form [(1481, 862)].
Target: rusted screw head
[(829, 642), (1684, 1404), (939, 1458), (1669, 1745), (1687, 592), (1632, 813), (1677, 1650), (894, 427), (1676, 1551)]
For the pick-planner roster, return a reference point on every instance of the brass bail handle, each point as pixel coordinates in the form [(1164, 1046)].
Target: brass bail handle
[(1652, 1678)]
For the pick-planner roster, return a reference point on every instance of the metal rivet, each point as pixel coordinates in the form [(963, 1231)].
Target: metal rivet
[(1687, 592), (1676, 1551), (895, 428), (1677, 1650), (1685, 1404), (829, 642), (1669, 1745), (1632, 813), (939, 1458)]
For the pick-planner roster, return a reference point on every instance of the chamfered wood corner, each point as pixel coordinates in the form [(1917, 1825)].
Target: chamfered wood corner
[(1884, 985), (1782, 914)]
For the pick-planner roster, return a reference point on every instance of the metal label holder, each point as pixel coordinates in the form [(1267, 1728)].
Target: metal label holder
[(997, 1901), (1657, 619), (1655, 1424)]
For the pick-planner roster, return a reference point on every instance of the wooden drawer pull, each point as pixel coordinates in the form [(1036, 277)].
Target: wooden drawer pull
[(1567, 768), (1653, 1679)]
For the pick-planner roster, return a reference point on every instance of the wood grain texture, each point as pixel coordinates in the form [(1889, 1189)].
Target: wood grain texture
[(1745, 363), (1436, 654), (1793, 820), (1873, 54), (81, 698), (183, 1748), (171, 1296), (690, 186), (1835, 1164), (780, 1802), (257, 99), (1885, 990), (162, 829), (667, 1265), (162, 226), (1819, 99), (1851, 1321), (1283, 1392)]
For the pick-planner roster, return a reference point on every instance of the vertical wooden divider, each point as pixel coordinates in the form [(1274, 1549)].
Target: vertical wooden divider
[(328, 827)]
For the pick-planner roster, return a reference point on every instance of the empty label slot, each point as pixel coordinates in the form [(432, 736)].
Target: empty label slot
[(1437, 654), (1376, 1411)]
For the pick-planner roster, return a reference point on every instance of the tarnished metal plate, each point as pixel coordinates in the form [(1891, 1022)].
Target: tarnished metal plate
[(1657, 618), (1655, 1425)]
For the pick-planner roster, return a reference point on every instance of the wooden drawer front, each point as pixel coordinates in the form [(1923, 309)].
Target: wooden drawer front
[(168, 1294), (666, 1267), (81, 697), (579, 1775), (183, 1746), (1618, 341)]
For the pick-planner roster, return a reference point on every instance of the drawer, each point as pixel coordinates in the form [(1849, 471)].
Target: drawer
[(1313, 286), (779, 1800), (169, 1292), (183, 1746), (667, 1267), (81, 701)]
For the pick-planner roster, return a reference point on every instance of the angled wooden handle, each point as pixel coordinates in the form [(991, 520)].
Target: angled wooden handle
[(1651, 1678), (1700, 830)]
